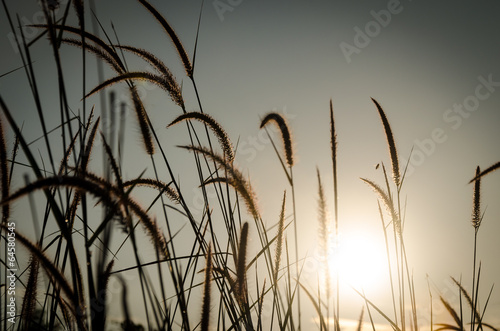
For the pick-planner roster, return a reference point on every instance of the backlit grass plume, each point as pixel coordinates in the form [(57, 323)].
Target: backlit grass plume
[(388, 203), (476, 210), (205, 310), (166, 83), (324, 234), (241, 266), (279, 240), (173, 36), (217, 129), (171, 193), (392, 145), (30, 295), (235, 178), (280, 121)]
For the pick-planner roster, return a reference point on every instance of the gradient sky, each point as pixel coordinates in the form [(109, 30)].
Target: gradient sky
[(423, 64)]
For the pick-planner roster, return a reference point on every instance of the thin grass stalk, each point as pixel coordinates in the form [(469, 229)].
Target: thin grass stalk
[(4, 174), (205, 311), (476, 222), (324, 242), (360, 320), (294, 204), (173, 267), (369, 314), (282, 125), (320, 313), (277, 261), (333, 143), (316, 307), (75, 269), (55, 275)]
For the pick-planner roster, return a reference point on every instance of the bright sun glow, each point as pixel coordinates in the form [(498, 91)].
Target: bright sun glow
[(360, 261)]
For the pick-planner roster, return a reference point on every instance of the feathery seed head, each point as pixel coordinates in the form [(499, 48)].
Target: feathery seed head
[(392, 145), (476, 211), (280, 121)]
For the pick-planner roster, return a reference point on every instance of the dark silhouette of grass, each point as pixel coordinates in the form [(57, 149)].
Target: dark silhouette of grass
[(247, 265)]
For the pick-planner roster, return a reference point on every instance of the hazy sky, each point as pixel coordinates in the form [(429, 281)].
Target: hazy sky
[(433, 66)]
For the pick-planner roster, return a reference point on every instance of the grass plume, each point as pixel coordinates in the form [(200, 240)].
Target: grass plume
[(280, 121), (388, 203), (205, 310), (324, 232), (173, 36), (30, 295), (476, 210), (392, 145), (235, 178), (241, 267), (217, 129), (279, 240)]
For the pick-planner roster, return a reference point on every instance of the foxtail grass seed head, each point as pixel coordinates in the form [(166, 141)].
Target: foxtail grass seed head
[(280, 121), (173, 36), (323, 217), (205, 310), (476, 211), (240, 289), (29, 301), (333, 136), (279, 240), (392, 145), (216, 128), (389, 205), (235, 179)]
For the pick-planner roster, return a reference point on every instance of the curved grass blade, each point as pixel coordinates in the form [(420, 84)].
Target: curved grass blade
[(486, 171), (316, 306)]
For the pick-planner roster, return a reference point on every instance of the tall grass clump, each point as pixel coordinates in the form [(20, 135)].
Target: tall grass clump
[(224, 265)]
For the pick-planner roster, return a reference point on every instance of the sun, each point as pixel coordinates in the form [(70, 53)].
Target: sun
[(359, 259)]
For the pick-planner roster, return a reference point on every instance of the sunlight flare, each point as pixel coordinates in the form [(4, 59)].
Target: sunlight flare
[(359, 260)]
